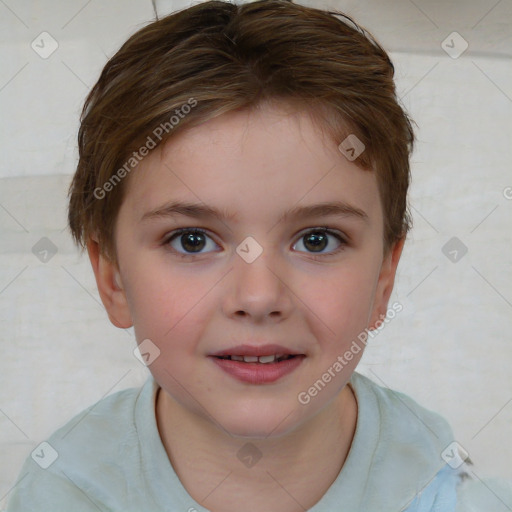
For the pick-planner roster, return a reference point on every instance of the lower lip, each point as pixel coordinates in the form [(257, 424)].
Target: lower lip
[(258, 373)]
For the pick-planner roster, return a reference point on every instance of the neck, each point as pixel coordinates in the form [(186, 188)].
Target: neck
[(294, 470)]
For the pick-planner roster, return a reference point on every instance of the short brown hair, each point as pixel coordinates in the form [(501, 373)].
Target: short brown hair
[(219, 57)]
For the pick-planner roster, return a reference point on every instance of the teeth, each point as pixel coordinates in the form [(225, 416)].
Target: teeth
[(267, 359), (262, 359)]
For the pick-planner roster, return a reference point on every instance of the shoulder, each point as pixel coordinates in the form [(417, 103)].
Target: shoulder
[(401, 418), (102, 428), (92, 456), (416, 450), (403, 449), (484, 495)]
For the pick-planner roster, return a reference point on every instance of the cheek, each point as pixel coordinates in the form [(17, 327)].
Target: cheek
[(173, 314), (339, 303), (164, 306)]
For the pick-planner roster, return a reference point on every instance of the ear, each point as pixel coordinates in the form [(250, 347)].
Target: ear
[(385, 283), (110, 287)]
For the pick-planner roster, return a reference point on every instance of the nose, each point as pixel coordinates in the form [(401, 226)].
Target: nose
[(258, 290)]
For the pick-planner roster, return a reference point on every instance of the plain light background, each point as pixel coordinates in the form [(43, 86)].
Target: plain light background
[(450, 348)]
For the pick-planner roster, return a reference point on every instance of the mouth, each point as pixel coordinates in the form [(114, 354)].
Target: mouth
[(274, 358), (257, 353), (262, 364)]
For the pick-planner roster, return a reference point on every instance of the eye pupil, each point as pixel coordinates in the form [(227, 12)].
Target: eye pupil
[(192, 241), (317, 240)]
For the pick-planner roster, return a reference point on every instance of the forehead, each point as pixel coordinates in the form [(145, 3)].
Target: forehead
[(259, 162)]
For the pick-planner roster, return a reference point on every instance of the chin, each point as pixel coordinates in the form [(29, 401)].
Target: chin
[(254, 431), (259, 424)]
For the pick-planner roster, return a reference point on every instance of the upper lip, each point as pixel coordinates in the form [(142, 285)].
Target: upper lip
[(252, 350)]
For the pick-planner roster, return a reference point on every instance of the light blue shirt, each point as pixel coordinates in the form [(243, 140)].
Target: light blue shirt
[(111, 458)]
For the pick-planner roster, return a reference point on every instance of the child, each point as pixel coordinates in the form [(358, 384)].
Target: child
[(254, 130)]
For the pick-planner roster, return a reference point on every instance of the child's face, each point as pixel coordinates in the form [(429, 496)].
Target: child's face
[(254, 167)]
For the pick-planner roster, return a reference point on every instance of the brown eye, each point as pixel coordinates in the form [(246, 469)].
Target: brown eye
[(317, 240), (192, 241)]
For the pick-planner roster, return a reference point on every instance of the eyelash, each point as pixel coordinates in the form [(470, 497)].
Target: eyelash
[(324, 230)]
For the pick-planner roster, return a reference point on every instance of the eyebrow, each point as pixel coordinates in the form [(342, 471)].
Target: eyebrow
[(203, 211)]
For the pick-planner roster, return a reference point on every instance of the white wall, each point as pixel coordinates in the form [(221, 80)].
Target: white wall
[(450, 348)]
